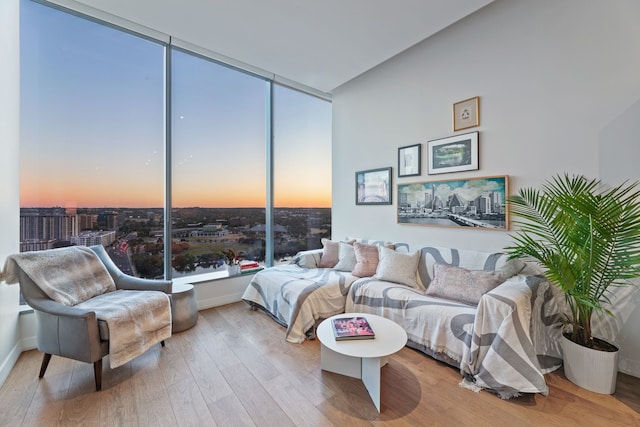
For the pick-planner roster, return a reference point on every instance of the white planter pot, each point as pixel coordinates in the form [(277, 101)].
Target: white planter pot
[(233, 270), (593, 370)]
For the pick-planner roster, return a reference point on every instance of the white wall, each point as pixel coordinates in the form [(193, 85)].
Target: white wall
[(618, 161), (551, 75), (9, 189)]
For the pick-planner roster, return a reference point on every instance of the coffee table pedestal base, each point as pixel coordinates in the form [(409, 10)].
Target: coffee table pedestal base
[(365, 368)]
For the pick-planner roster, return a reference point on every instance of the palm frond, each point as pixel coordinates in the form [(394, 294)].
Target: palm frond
[(584, 234)]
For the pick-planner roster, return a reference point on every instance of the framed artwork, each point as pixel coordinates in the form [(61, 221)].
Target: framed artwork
[(472, 202), (409, 160), (453, 154), (466, 114), (373, 187)]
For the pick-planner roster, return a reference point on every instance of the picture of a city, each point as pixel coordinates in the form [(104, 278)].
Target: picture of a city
[(474, 202)]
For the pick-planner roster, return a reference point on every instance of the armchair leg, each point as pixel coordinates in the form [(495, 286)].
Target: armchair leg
[(45, 363), (97, 373)]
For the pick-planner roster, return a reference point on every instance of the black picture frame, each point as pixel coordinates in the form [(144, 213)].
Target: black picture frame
[(410, 160), (456, 153), (373, 187)]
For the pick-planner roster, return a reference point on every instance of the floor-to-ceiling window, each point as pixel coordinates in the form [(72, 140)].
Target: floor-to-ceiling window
[(219, 142), (301, 171), (92, 137), (96, 101)]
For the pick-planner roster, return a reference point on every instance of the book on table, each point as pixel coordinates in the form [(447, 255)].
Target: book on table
[(352, 328)]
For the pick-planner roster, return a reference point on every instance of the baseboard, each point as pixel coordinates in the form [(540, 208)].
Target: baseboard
[(220, 300), (629, 367), (29, 343), (9, 363)]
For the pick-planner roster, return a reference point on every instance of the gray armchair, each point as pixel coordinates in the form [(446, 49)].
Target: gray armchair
[(73, 332)]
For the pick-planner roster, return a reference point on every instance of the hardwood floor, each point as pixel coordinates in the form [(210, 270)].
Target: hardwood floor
[(235, 369)]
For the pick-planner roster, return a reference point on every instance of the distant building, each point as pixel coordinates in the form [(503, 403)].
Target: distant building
[(47, 224), (89, 238), (87, 222), (108, 221), (36, 245)]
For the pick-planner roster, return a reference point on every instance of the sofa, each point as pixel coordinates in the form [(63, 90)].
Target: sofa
[(493, 318), (312, 287)]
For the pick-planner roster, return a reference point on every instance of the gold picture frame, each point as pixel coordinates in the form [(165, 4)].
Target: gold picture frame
[(466, 114), (478, 203)]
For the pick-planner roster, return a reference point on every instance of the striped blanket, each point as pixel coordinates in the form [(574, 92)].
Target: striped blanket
[(506, 344), (298, 297)]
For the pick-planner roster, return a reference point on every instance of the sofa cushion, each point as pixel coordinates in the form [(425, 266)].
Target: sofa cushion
[(308, 259), (399, 246), (397, 267), (366, 259), (465, 258), (346, 257), (462, 285), (330, 250)]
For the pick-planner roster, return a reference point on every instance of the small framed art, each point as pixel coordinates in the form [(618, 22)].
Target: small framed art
[(453, 154), (466, 114), (373, 187), (409, 160)]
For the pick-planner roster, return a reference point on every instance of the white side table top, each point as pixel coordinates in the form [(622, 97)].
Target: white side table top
[(390, 337), (178, 288)]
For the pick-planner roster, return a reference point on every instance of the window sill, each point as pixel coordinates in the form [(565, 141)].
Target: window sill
[(209, 277)]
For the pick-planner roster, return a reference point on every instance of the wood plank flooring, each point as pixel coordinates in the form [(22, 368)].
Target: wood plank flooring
[(234, 368)]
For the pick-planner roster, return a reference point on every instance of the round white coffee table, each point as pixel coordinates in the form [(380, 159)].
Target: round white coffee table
[(361, 358)]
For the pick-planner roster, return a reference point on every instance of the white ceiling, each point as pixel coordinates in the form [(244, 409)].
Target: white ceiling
[(319, 43)]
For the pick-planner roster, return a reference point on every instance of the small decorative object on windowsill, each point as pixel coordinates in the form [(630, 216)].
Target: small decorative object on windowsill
[(232, 258), (233, 269)]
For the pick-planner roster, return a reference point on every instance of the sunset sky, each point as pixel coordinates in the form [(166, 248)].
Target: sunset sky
[(93, 125)]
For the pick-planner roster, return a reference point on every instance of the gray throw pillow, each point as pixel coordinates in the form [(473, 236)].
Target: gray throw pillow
[(462, 285)]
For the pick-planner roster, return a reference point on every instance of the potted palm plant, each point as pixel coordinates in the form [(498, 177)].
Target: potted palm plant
[(587, 238)]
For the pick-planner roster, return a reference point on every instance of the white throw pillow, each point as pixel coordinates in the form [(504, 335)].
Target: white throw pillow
[(397, 267), (346, 258)]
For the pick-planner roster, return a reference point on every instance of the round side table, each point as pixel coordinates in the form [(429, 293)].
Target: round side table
[(184, 310)]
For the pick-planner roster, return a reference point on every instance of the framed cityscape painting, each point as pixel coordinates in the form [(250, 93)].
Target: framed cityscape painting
[(471, 202), (373, 187)]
